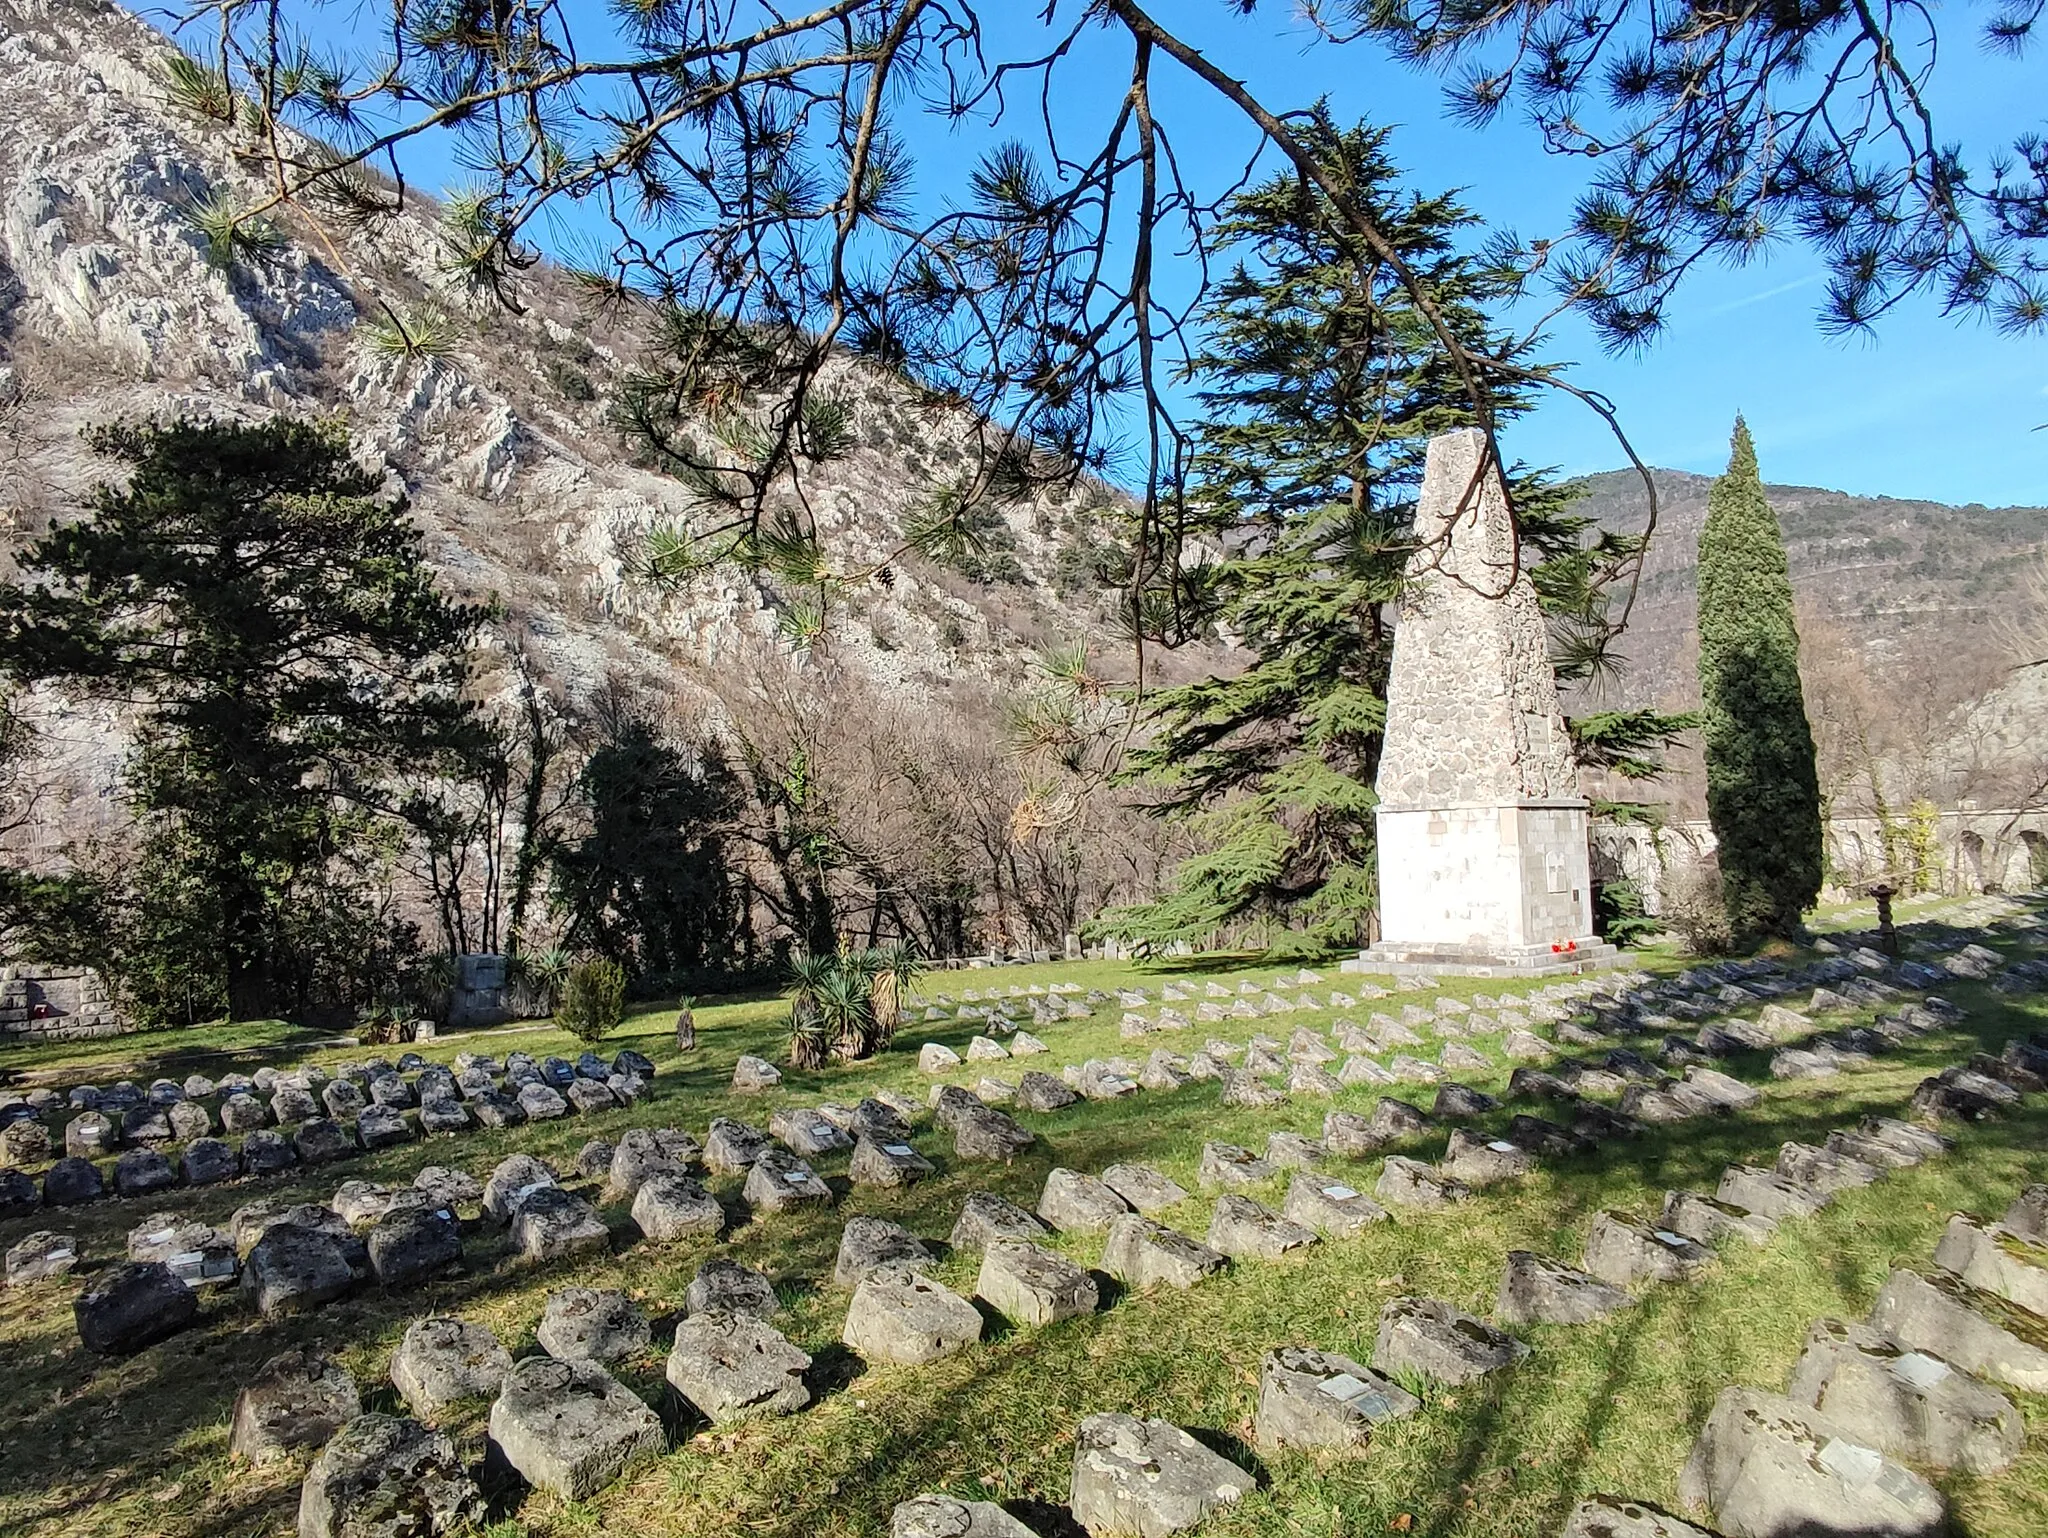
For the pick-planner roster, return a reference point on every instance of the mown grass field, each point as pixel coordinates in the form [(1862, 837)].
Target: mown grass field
[(139, 1446)]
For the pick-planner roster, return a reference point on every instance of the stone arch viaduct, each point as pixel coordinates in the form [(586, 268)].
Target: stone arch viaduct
[(1974, 850)]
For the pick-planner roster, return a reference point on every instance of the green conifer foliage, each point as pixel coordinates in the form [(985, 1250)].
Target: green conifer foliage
[(1763, 791), (1321, 383)]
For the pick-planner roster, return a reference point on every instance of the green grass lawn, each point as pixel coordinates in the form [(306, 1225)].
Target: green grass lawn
[(139, 1446)]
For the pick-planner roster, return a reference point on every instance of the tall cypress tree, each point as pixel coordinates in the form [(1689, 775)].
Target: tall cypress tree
[(1763, 790)]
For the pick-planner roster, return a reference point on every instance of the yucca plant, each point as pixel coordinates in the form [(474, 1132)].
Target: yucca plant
[(895, 973), (810, 1043), (843, 1006)]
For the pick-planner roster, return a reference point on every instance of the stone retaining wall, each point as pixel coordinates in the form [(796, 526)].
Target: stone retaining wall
[(39, 1003)]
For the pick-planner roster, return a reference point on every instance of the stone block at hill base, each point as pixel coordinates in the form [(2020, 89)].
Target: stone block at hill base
[(570, 1427), (297, 1399), (1705, 1220), (41, 1257), (1147, 1478), (781, 1182), (384, 1476), (734, 1365), (133, 1306), (1319, 1399), (1239, 1227), (441, 1362), (1769, 1468), (412, 1245), (1906, 1404), (867, 1244), (902, 1317), (1625, 1252), (886, 1162), (1143, 1187)]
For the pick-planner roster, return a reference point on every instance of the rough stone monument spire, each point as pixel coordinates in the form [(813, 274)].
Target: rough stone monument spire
[(1482, 829)]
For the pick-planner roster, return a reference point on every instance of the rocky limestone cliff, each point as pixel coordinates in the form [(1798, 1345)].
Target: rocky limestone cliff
[(109, 307)]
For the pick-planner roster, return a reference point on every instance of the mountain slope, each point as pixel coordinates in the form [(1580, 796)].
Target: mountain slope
[(110, 307), (1911, 591)]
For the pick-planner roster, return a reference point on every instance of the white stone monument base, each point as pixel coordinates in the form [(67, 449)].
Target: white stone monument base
[(1485, 890)]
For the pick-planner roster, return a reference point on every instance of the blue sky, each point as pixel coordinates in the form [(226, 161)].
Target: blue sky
[(1929, 407)]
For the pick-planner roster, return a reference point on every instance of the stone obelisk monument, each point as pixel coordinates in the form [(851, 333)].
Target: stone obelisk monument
[(1482, 829)]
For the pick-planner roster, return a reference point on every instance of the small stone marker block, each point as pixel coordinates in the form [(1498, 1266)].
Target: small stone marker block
[(1241, 1228), (1767, 1467), (886, 1161), (1478, 1161), (732, 1366), (724, 1286), (41, 1256), (1535, 1289), (867, 1245), (1996, 1262), (551, 1223), (752, 1074), (293, 1268), (1033, 1285), (1433, 1338), (1147, 1477), (984, 1216), (1906, 1404), (133, 1306), (1144, 1188), (387, 1475), (807, 1133), (1143, 1254), (674, 1206), (1229, 1167), (592, 1324), (1319, 1399), (1771, 1194), (1622, 1251), (1818, 1169), (441, 1362), (1330, 1207), (1982, 1334), (1706, 1221), (941, 1516), (903, 1317), (1076, 1203), (781, 1182), (570, 1427), (1410, 1183), (297, 1399)]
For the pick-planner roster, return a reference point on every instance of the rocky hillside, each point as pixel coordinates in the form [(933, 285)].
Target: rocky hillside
[(109, 307), (1913, 592)]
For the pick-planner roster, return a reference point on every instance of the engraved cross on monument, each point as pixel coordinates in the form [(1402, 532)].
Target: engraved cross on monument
[(1482, 830)]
